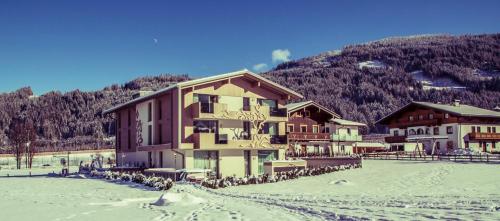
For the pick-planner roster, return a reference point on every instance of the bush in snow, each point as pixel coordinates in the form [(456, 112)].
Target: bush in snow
[(158, 183), (280, 176)]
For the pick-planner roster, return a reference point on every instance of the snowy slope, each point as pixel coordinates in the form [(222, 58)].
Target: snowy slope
[(436, 83)]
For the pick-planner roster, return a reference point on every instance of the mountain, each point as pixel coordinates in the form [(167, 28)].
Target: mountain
[(368, 81), (361, 82)]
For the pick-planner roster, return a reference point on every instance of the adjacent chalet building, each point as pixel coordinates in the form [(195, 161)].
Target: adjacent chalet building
[(439, 128), (229, 123), (315, 130)]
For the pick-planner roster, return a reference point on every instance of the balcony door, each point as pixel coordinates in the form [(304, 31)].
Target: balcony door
[(206, 102), (207, 160)]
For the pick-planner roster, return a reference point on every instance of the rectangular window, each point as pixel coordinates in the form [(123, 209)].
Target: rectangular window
[(268, 102), (129, 141), (478, 129), (420, 117), (119, 140), (160, 114), (150, 135), (129, 118), (349, 131), (150, 110), (160, 133), (436, 131), (410, 118), (327, 130), (308, 113), (246, 104), (446, 115), (205, 126), (449, 130), (396, 133), (315, 129), (494, 129), (303, 128), (247, 130), (473, 129), (488, 129), (289, 128), (431, 116), (269, 128)]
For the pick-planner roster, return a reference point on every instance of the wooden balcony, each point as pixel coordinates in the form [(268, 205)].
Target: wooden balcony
[(308, 136), (346, 138), (212, 141), (395, 139), (484, 136), (416, 122), (220, 111)]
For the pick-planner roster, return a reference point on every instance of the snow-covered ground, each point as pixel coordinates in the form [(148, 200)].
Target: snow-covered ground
[(392, 190), (440, 83), (371, 64)]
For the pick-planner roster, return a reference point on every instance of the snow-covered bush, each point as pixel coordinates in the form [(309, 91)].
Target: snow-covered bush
[(158, 183), (280, 176)]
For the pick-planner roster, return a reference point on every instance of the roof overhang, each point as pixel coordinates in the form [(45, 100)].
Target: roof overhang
[(312, 103)]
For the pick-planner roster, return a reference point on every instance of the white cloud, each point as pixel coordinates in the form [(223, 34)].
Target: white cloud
[(281, 55), (260, 67)]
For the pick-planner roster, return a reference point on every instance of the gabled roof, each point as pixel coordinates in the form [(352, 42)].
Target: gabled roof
[(348, 122), (460, 110), (210, 79), (299, 105)]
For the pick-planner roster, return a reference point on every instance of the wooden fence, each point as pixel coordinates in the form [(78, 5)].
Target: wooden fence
[(475, 158)]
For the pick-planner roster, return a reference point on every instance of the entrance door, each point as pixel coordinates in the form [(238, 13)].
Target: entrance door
[(248, 168), (264, 156), (208, 160), (484, 147)]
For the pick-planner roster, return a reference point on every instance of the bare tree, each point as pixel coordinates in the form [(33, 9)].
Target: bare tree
[(20, 133)]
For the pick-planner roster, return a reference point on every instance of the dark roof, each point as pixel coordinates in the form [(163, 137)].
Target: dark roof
[(291, 107), (460, 110)]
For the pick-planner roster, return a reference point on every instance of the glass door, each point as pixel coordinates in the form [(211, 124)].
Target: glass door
[(208, 160), (264, 156)]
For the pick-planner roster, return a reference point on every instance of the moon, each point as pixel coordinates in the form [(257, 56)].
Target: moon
[(155, 40)]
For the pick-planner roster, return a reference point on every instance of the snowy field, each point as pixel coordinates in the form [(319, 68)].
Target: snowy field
[(390, 190)]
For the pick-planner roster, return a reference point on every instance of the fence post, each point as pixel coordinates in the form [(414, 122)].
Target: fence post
[(487, 159)]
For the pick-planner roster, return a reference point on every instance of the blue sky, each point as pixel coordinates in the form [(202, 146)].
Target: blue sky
[(65, 45)]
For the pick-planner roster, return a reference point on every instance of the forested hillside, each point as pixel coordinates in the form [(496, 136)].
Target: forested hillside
[(360, 82)]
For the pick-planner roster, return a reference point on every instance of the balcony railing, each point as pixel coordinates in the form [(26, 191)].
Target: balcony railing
[(395, 139), (484, 136), (308, 136), (278, 139), (346, 137), (277, 112), (207, 108), (221, 138)]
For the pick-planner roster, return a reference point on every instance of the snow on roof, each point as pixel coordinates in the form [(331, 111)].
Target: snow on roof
[(295, 106), (205, 80), (348, 122)]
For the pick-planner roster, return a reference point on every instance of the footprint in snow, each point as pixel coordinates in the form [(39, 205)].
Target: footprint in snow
[(341, 182)]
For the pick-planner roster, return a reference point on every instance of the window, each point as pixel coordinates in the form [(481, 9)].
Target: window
[(438, 145), (315, 129), (246, 104), (119, 121), (478, 129), (303, 128), (269, 128), (129, 118), (129, 143), (327, 130), (473, 129), (427, 130), (160, 134), (349, 131), (449, 129), (446, 115), (119, 140), (205, 126), (431, 116), (206, 102), (494, 129), (420, 117), (410, 118), (307, 113), (420, 131), (150, 135), (396, 133), (488, 129), (289, 128), (159, 110), (412, 132), (268, 102), (436, 131), (150, 110), (247, 130)]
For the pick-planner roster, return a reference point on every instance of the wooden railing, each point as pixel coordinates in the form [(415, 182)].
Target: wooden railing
[(484, 136), (395, 139), (308, 136)]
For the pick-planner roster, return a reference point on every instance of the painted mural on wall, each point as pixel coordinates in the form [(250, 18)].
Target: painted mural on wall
[(138, 128)]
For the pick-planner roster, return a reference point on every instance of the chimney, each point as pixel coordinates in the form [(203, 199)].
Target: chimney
[(456, 103), (141, 94)]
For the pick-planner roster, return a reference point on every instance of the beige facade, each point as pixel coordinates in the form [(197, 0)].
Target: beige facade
[(229, 123)]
